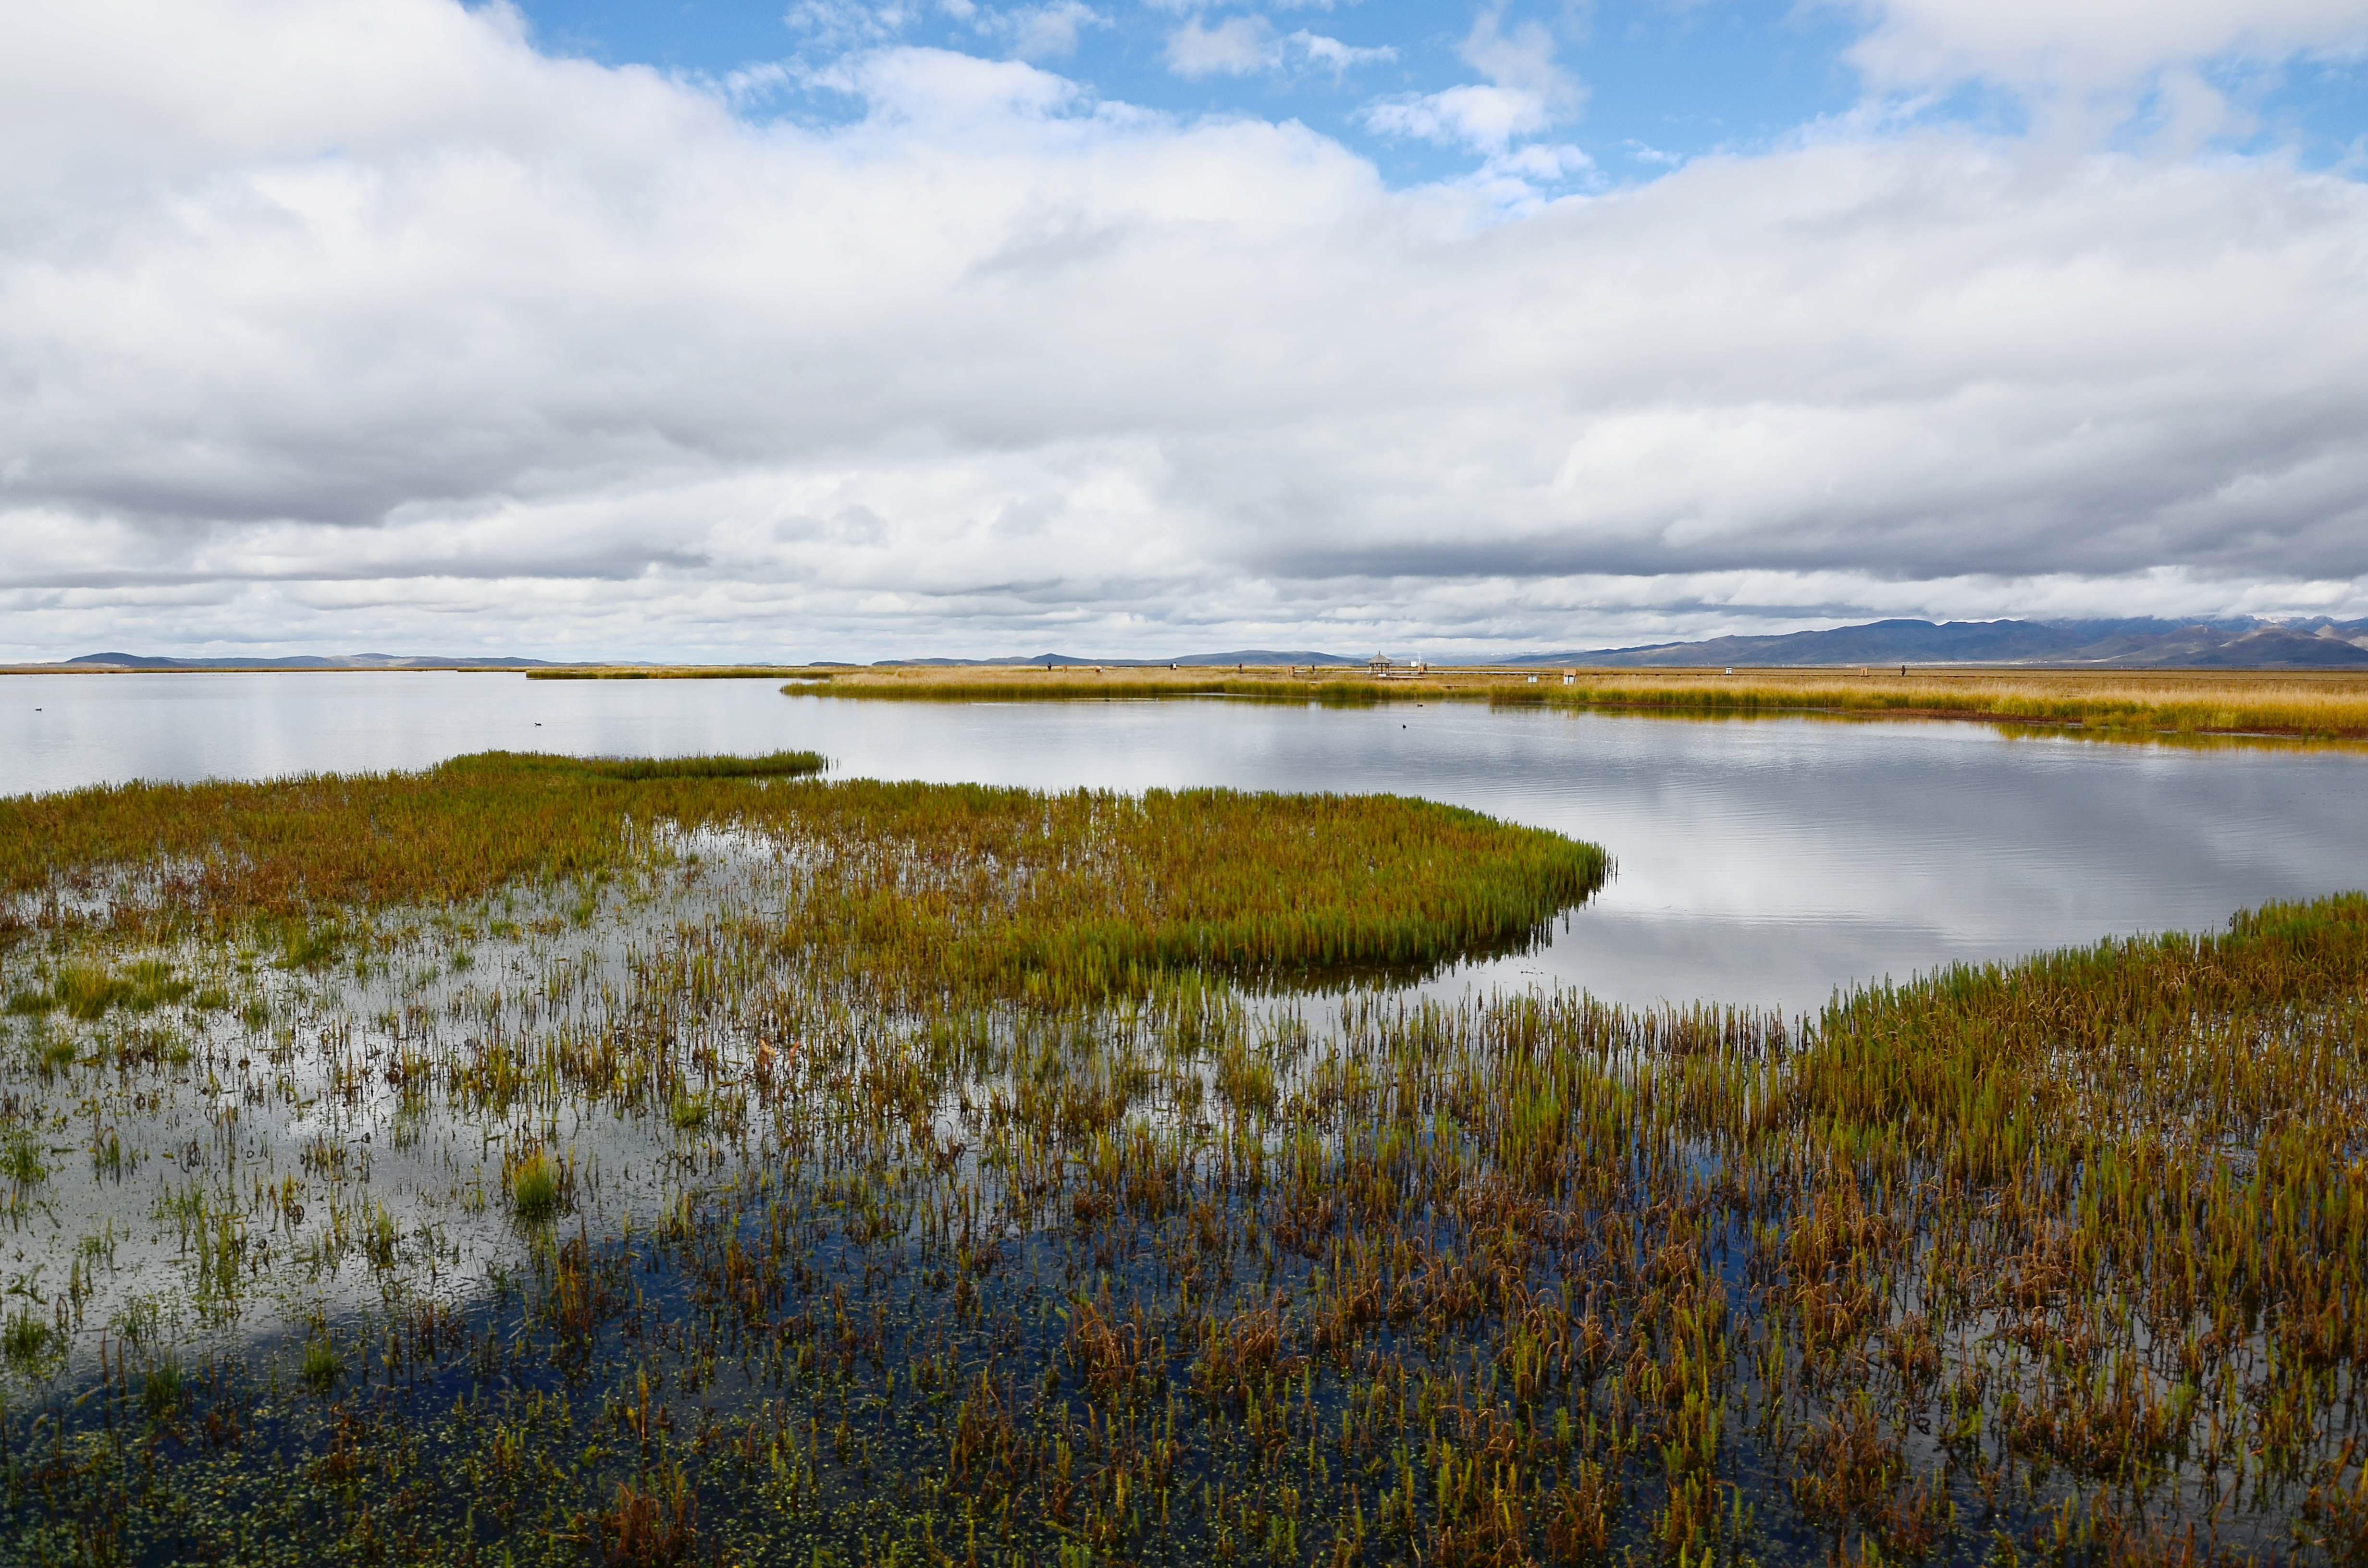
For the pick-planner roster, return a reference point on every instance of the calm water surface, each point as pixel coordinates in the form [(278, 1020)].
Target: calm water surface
[(1766, 861)]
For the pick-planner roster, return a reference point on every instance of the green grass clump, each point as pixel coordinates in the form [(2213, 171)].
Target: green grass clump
[(26, 1340), (307, 946), (163, 1389), (534, 1184), (20, 1154), (321, 1366), (89, 991)]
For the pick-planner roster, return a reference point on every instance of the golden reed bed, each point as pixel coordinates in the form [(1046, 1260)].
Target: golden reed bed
[(2301, 703)]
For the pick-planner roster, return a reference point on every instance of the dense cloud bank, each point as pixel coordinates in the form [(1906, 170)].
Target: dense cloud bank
[(325, 326)]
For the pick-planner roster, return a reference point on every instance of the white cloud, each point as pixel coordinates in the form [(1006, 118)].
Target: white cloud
[(1242, 46), (1041, 32), (948, 92), (1528, 92), (1522, 179), (365, 325), (1331, 54), (1484, 119), (851, 24), (1235, 47), (2087, 45), (1521, 59), (836, 27)]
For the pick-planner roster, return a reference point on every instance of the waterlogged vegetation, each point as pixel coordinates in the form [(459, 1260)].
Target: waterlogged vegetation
[(931, 889), (531, 1161), (2115, 704)]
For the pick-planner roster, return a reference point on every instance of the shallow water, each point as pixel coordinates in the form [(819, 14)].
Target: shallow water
[(1765, 862)]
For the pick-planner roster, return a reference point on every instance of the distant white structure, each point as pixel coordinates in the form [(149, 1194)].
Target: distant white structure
[(1381, 667)]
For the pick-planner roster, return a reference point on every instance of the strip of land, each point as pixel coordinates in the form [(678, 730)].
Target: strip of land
[(2297, 704), (2114, 704)]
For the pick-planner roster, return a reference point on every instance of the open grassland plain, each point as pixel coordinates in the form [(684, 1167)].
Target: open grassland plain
[(541, 1161), (2106, 704)]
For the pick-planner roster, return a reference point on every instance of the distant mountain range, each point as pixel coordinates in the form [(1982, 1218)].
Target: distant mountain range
[(2243, 643), (1238, 657), (305, 662), (2229, 643), (2238, 643)]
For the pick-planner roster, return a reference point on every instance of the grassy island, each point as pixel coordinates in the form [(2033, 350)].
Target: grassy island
[(535, 1160), (2105, 703)]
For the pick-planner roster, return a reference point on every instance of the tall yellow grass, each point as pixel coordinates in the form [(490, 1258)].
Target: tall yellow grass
[(2121, 703), (2192, 703)]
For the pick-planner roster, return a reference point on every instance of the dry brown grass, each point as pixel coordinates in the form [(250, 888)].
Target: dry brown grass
[(1035, 682), (2321, 704), (2287, 702)]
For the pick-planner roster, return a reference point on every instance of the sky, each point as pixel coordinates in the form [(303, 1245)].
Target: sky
[(862, 329)]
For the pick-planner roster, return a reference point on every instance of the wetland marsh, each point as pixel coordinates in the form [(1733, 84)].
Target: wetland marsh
[(1762, 862), (534, 1159)]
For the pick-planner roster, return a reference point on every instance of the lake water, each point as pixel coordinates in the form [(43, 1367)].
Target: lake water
[(1763, 861)]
